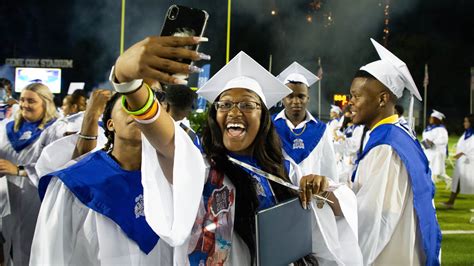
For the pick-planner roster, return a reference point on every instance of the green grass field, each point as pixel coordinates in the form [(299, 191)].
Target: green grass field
[(457, 249)]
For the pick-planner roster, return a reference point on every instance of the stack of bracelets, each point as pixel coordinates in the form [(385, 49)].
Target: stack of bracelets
[(148, 113)]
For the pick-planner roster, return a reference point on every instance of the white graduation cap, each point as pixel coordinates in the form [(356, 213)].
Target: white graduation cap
[(394, 74), (244, 72), (438, 114), (297, 73), (73, 86), (336, 109)]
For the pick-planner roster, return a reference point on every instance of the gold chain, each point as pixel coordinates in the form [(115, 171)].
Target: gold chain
[(302, 131)]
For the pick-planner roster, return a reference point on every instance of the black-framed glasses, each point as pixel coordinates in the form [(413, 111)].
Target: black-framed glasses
[(244, 106)]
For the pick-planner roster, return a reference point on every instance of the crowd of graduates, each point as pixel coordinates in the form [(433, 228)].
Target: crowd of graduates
[(120, 177)]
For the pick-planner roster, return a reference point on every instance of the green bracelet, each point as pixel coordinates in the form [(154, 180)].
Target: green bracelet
[(145, 108)]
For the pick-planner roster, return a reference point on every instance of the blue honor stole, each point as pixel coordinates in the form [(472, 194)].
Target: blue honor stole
[(103, 186), (349, 131), (26, 134), (468, 133), (264, 191), (299, 143), (431, 127), (416, 163)]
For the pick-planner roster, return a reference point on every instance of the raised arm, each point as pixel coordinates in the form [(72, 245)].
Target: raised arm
[(155, 58), (87, 140)]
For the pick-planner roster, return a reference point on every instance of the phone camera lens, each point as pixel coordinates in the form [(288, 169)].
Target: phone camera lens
[(173, 12)]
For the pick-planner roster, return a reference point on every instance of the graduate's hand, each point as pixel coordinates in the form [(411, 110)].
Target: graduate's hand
[(97, 102), (457, 156), (155, 58), (11, 101), (8, 168), (311, 185)]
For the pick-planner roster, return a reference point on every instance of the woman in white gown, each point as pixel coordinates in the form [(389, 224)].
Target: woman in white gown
[(92, 211), (463, 177), (21, 143), (435, 145), (204, 206)]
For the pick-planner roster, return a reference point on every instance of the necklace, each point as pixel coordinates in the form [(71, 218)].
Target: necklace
[(299, 134)]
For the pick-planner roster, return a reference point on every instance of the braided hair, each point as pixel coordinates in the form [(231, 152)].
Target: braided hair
[(107, 115)]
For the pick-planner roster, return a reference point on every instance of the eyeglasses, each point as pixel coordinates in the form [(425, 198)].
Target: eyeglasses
[(226, 106)]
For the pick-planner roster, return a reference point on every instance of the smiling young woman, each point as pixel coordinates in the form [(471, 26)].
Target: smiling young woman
[(202, 204), (21, 143)]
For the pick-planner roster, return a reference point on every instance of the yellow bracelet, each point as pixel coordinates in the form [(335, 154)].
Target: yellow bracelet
[(149, 114), (145, 108)]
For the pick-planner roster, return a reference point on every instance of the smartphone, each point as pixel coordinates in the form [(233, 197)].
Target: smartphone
[(185, 21)]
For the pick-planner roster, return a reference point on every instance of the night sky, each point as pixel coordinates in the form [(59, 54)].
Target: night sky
[(434, 32)]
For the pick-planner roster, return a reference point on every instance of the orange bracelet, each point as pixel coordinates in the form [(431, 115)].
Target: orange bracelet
[(150, 113)]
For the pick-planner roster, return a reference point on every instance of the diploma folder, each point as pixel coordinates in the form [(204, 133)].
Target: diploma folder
[(283, 233)]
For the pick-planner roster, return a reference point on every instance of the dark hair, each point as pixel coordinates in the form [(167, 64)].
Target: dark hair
[(79, 98), (399, 109), (436, 121), (267, 152), (364, 74), (105, 117), (295, 82), (470, 117), (180, 96), (5, 82)]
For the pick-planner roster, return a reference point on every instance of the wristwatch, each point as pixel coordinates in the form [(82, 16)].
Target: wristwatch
[(125, 87), (21, 170)]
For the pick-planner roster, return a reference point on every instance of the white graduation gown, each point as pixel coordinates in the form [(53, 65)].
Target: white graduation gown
[(348, 148), (171, 210), (464, 170), (334, 125), (437, 154), (388, 232), (74, 122), (23, 200), (321, 160), (57, 154), (70, 233)]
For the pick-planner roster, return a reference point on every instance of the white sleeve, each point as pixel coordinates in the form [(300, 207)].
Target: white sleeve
[(383, 184), (57, 228), (460, 144), (54, 157), (51, 134), (441, 137), (352, 144), (328, 161), (335, 238), (171, 210)]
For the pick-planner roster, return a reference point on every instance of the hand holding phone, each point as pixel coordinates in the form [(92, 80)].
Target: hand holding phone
[(184, 21), (158, 58)]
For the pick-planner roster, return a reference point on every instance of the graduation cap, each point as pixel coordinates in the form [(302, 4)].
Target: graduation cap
[(336, 109), (244, 72), (394, 74), (438, 114), (297, 73)]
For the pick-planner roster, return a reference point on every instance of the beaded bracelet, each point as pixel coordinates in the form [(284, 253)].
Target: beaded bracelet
[(145, 108), (87, 137)]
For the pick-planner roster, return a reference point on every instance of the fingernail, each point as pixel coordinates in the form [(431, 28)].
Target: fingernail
[(195, 69), (204, 56), (180, 82), (201, 39)]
